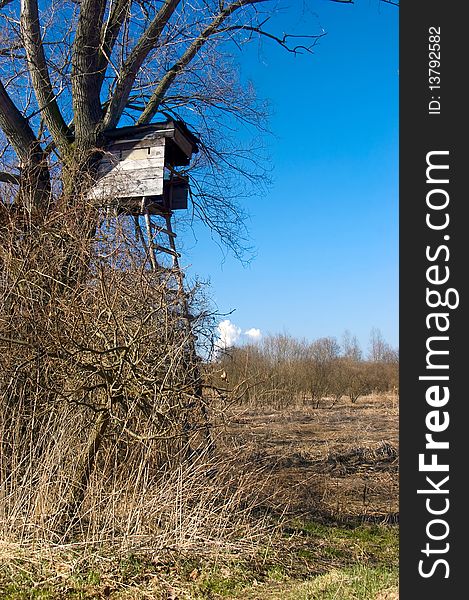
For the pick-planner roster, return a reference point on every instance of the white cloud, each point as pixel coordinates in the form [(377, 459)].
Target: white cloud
[(228, 334), (253, 334)]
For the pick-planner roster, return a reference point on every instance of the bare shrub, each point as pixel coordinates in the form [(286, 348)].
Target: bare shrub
[(282, 371), (98, 374)]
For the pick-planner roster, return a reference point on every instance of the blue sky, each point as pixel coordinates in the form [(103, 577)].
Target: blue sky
[(326, 231)]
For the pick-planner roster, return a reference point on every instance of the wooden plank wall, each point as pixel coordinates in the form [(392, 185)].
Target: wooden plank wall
[(131, 171)]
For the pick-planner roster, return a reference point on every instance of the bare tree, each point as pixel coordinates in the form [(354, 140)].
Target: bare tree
[(87, 330), (322, 356), (72, 70), (351, 346)]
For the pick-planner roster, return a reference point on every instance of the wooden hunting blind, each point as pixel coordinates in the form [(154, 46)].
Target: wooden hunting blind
[(137, 172), (138, 176)]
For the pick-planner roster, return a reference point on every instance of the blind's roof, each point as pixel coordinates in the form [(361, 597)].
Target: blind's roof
[(166, 128)]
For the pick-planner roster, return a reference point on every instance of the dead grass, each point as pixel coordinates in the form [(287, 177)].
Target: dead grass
[(296, 505), (341, 462), (324, 562)]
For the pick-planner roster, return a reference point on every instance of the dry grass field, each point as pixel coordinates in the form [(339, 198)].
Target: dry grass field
[(339, 461), (321, 520)]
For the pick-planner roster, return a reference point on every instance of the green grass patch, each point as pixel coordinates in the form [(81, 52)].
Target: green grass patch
[(310, 561), (371, 543), (353, 583)]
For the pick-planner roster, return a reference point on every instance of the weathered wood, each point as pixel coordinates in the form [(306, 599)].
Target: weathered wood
[(135, 154), (165, 231), (130, 165), (126, 144), (162, 129), (120, 185), (151, 248), (134, 161), (142, 153), (147, 187), (165, 250), (126, 177), (183, 143), (175, 193), (133, 206)]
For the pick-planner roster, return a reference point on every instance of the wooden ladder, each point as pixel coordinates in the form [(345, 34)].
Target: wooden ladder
[(153, 248)]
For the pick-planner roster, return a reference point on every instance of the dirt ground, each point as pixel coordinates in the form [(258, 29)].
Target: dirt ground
[(338, 461)]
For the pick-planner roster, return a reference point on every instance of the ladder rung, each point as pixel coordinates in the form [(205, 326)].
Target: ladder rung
[(165, 231), (173, 271), (166, 250)]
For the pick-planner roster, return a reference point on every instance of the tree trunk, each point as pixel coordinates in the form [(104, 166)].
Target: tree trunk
[(85, 466), (34, 193)]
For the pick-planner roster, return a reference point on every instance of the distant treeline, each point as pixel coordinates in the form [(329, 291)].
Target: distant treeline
[(282, 369)]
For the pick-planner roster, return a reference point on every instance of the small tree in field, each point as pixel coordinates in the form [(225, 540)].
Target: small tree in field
[(322, 355), (358, 380), (339, 379)]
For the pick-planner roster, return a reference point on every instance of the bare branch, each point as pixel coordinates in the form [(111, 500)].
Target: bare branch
[(169, 77), (35, 185), (138, 55), (110, 32), (11, 50), (283, 41), (15, 126), (38, 70), (9, 178)]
